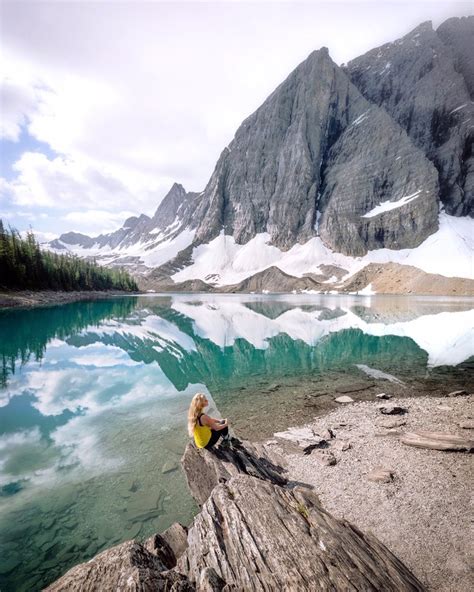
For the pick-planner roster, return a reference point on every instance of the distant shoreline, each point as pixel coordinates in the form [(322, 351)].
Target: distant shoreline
[(32, 298)]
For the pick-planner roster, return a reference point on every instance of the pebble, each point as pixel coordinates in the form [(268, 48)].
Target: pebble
[(392, 410), (392, 423), (380, 475), (383, 396), (344, 399)]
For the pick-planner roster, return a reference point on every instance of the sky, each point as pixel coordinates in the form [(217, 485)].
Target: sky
[(104, 105)]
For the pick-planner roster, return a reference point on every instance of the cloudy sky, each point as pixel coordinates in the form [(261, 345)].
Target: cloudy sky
[(105, 104)]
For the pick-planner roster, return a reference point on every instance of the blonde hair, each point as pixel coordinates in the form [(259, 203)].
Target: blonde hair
[(195, 408)]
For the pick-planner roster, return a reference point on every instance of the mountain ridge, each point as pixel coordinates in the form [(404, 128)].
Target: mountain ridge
[(347, 155)]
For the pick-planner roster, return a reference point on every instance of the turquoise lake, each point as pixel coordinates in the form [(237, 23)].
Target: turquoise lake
[(94, 396)]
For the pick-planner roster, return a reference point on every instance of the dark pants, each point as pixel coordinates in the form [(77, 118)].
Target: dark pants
[(215, 435)]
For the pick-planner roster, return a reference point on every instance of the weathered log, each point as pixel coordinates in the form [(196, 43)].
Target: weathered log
[(204, 469), (260, 536), (437, 441), (128, 566)]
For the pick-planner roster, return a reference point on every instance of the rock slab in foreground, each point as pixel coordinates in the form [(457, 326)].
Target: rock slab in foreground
[(128, 566), (259, 536)]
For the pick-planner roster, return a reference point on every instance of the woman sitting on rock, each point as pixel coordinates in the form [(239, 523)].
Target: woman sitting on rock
[(205, 430)]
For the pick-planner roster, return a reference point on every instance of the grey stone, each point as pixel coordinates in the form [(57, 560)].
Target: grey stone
[(380, 475), (204, 469), (128, 566), (344, 399), (459, 393), (392, 410)]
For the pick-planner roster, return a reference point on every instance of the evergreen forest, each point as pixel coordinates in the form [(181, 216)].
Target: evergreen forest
[(25, 266)]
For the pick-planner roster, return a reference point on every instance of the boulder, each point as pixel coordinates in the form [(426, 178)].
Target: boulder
[(128, 566), (258, 536), (204, 469)]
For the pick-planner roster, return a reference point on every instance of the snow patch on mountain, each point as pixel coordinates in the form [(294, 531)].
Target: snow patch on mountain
[(448, 252)]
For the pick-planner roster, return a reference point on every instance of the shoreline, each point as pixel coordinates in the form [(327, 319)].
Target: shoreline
[(17, 299), (33, 299), (420, 514)]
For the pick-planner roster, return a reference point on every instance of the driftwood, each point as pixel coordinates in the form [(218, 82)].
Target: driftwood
[(437, 441)]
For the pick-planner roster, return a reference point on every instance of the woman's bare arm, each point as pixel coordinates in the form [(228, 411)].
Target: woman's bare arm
[(214, 424)]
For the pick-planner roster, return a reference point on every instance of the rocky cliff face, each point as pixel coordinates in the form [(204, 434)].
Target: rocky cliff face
[(356, 156), (317, 146), (425, 82)]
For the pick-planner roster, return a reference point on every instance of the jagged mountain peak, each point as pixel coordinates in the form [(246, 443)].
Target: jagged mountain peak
[(422, 81), (295, 153)]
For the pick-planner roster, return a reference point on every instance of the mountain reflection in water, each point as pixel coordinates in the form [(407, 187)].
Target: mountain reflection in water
[(94, 396)]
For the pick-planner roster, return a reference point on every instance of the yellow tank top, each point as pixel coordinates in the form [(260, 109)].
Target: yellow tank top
[(202, 434)]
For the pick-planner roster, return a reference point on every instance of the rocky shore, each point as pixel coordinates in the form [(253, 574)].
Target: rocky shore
[(414, 500), (285, 514), (30, 298)]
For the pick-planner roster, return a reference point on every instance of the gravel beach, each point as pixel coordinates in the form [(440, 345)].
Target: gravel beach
[(423, 513)]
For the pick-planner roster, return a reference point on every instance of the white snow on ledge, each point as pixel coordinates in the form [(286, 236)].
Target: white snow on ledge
[(448, 252), (386, 206)]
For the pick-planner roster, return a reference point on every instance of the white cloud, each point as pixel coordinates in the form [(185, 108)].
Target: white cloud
[(98, 221), (17, 105), (136, 95), (65, 183)]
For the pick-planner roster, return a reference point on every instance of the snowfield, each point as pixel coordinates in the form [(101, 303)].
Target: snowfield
[(448, 252)]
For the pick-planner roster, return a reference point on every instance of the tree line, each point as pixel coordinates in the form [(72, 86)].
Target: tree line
[(25, 266)]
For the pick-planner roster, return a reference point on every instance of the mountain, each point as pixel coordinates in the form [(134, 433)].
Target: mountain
[(142, 242), (339, 167), (425, 82)]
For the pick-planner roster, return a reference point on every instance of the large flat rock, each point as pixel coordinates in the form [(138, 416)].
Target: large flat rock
[(260, 536)]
